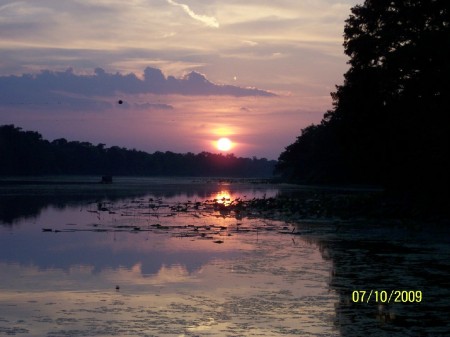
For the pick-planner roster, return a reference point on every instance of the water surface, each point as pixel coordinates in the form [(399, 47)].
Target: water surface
[(153, 259), (167, 257)]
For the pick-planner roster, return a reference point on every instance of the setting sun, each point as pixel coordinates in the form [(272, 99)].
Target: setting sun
[(224, 144)]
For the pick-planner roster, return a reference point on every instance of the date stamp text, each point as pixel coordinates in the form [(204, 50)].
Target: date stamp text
[(387, 296)]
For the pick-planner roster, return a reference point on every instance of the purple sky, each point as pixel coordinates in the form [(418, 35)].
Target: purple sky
[(187, 71)]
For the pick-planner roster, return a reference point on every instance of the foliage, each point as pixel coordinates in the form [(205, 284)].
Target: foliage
[(26, 153), (387, 125)]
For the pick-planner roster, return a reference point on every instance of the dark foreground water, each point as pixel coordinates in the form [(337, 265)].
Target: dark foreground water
[(164, 257)]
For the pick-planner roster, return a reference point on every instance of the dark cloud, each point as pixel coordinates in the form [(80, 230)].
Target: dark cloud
[(53, 86), (193, 83)]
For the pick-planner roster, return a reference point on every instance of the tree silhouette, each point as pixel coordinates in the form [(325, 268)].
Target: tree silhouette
[(26, 153), (387, 125)]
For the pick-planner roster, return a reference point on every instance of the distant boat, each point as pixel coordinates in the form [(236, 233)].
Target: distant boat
[(106, 180)]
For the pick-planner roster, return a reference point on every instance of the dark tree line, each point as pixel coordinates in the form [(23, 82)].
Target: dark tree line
[(27, 153), (389, 122)]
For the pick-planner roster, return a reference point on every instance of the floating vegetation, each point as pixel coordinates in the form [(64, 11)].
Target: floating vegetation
[(133, 216), (324, 241)]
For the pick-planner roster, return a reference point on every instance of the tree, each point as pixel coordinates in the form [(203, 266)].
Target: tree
[(27, 153), (387, 122)]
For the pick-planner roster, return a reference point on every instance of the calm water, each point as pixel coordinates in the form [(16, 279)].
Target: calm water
[(154, 257)]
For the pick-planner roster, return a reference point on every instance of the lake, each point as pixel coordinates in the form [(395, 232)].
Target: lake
[(171, 257)]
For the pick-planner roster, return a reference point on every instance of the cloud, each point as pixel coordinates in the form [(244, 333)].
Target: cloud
[(209, 21), (58, 88), (249, 43), (50, 35), (151, 106)]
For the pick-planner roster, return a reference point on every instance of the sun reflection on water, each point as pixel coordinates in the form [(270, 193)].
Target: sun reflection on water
[(161, 265), (223, 197)]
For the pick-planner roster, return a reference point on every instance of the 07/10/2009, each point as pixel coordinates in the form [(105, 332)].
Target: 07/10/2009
[(383, 296)]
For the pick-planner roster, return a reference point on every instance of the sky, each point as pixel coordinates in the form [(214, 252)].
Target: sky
[(187, 72)]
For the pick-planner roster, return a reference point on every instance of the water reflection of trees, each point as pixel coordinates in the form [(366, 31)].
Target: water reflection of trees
[(386, 258), (366, 255), (21, 203)]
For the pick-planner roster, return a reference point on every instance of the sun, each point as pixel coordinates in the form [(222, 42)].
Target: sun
[(224, 144)]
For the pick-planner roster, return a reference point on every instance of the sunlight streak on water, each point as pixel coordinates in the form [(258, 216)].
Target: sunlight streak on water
[(144, 266)]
